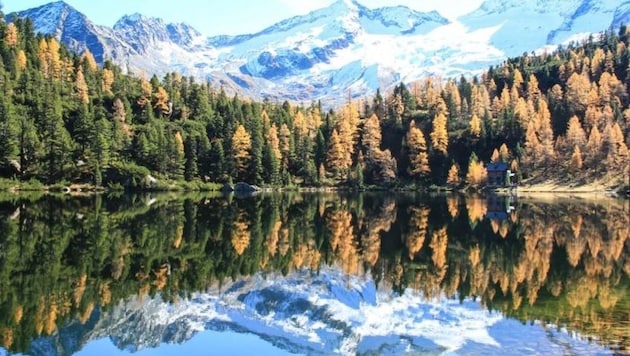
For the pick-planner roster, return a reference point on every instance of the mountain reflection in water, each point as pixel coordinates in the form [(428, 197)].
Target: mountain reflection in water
[(315, 273)]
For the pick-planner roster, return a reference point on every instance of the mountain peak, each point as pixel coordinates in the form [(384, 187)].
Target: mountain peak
[(346, 4)]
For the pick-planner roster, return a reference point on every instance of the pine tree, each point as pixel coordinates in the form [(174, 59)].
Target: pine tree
[(8, 131), (101, 147), (190, 153), (56, 140), (217, 161)]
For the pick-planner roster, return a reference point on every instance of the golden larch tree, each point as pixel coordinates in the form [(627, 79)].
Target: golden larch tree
[(241, 146), (504, 153), (81, 86), (594, 146), (161, 101), (107, 80), (274, 141), (20, 61), (371, 137), (575, 132), (336, 156), (577, 95), (477, 174), (418, 156), (453, 175), (11, 35), (55, 63), (495, 156), (44, 55), (88, 58), (285, 144), (439, 135), (576, 159), (147, 89), (475, 126)]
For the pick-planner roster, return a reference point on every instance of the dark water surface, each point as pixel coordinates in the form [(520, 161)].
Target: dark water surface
[(313, 274)]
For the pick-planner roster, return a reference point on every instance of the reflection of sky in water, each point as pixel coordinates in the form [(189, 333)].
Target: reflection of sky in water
[(327, 314)]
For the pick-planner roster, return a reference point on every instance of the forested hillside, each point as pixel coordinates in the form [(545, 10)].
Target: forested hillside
[(562, 115)]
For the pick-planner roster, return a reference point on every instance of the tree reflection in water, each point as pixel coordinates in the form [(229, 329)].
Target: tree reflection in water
[(563, 262)]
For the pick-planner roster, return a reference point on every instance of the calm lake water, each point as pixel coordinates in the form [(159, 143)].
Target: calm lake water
[(313, 274)]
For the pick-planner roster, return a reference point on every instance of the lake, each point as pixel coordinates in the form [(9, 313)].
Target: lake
[(313, 273)]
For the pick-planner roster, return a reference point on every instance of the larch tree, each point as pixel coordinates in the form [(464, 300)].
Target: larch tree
[(162, 104), (575, 133), (371, 135), (615, 146), (495, 158), (274, 142), (21, 60), (594, 147), (439, 135), (241, 146), (418, 156), (504, 153), (336, 156), (11, 35), (82, 89), (577, 95), (475, 126), (88, 58), (55, 63), (545, 131), (576, 159), (477, 174), (285, 145), (453, 175), (107, 80)]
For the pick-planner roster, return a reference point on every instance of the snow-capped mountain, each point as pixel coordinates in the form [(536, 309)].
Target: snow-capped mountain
[(323, 314), (340, 49)]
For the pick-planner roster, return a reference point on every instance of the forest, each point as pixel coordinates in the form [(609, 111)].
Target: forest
[(64, 119)]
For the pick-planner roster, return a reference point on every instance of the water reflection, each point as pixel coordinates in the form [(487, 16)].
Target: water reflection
[(67, 264)]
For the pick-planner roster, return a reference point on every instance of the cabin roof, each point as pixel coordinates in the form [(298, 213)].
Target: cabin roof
[(497, 167)]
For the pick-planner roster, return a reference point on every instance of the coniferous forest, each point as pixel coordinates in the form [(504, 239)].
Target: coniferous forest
[(560, 116)]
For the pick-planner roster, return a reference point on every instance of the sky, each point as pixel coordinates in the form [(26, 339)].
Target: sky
[(228, 17)]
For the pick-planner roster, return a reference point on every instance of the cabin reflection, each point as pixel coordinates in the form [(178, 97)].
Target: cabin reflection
[(499, 207)]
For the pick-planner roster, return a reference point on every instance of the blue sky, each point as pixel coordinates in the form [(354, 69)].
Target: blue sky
[(231, 17)]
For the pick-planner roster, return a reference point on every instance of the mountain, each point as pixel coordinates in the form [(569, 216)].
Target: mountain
[(340, 49), (316, 314), (76, 31)]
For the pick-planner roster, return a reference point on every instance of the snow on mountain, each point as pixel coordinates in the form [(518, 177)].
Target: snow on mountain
[(76, 31), (340, 49), (322, 314), (526, 25)]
